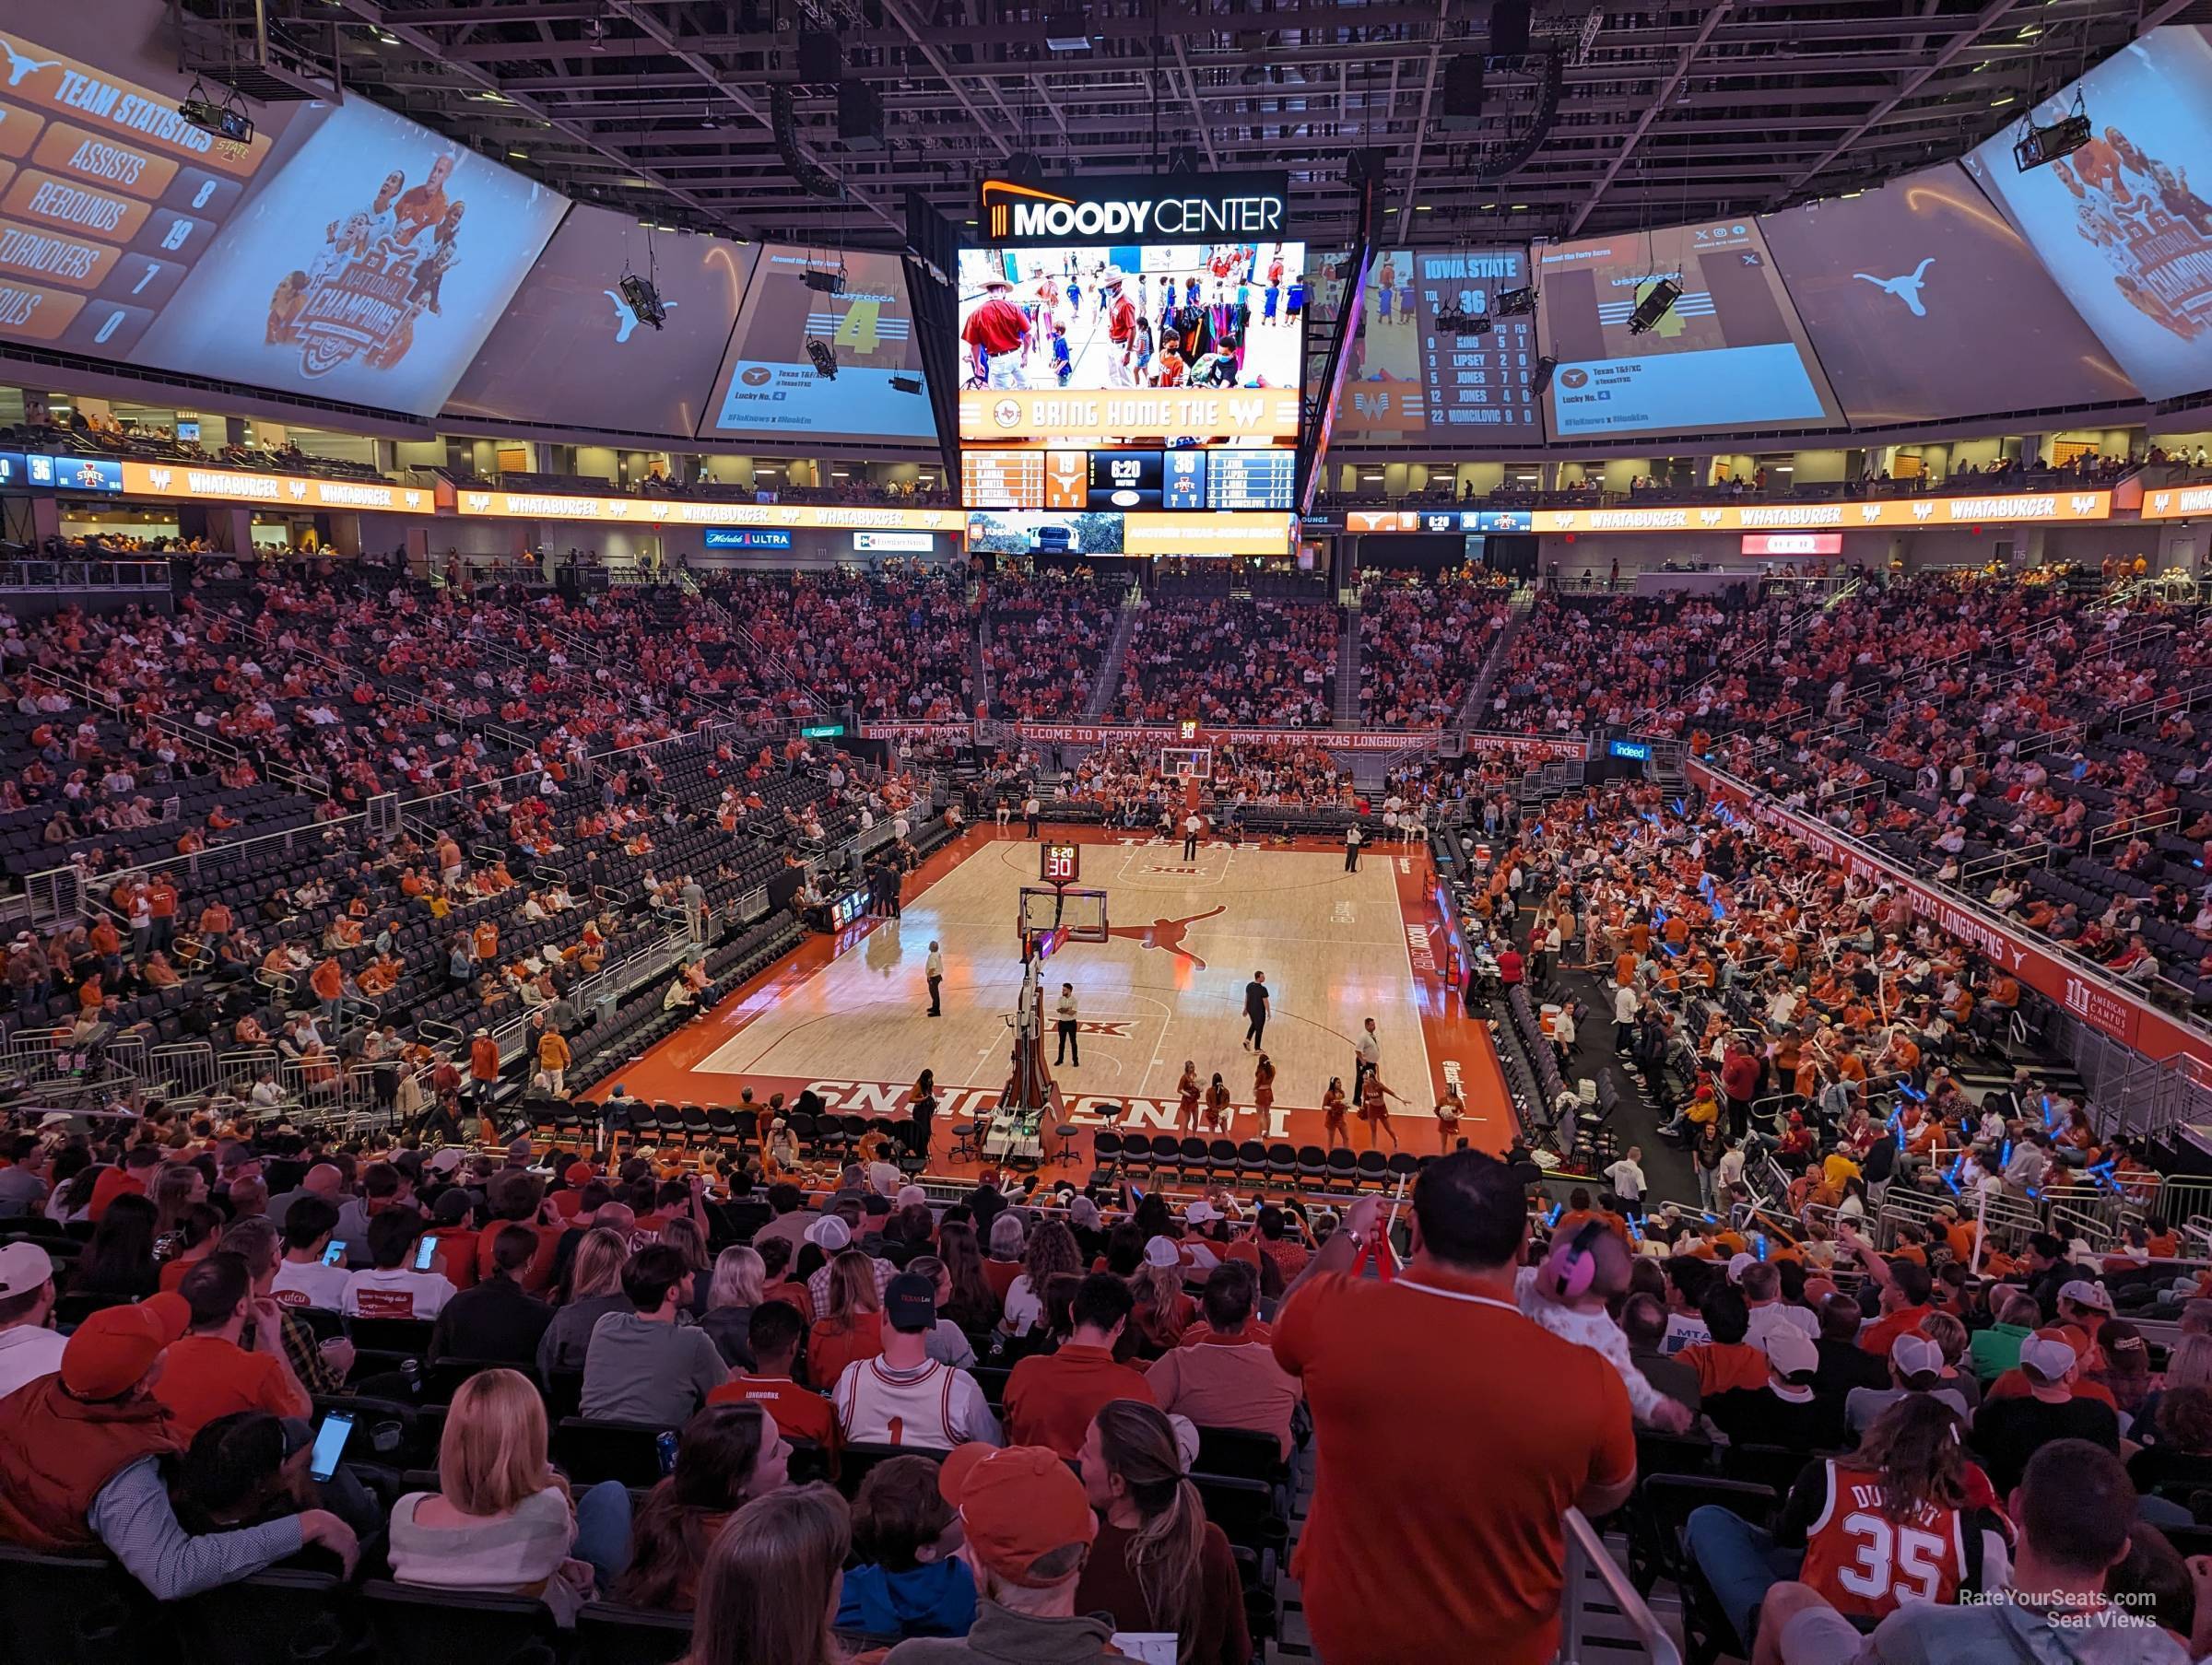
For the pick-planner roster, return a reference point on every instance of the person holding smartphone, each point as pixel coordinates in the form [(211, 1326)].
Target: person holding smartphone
[(398, 1283)]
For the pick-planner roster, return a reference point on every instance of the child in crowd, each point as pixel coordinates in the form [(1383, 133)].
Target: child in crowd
[(1567, 1295), (908, 1583)]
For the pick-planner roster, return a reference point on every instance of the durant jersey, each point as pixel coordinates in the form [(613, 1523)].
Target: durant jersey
[(1867, 1563)]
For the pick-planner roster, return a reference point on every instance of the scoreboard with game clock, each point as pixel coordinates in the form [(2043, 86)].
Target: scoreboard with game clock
[(1060, 863)]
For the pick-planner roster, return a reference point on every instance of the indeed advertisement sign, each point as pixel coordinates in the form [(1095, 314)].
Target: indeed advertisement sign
[(1200, 207)]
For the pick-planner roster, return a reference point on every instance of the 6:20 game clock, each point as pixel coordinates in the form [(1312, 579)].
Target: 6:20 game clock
[(1060, 863)]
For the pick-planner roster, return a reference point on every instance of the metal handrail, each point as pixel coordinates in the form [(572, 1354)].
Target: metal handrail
[(1590, 1576)]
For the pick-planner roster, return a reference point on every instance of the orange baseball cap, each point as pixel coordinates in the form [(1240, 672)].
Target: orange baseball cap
[(579, 1173), (112, 1351), (1016, 1506)]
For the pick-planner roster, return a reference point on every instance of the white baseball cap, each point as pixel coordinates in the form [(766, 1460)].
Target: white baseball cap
[(1161, 1251), (1202, 1213), (830, 1234), (23, 1268), (2047, 1355), (1791, 1352), (1915, 1354), (2083, 1292)]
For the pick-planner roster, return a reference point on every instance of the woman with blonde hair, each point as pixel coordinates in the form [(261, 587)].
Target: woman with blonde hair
[(852, 1328), (1164, 1308), (1052, 1251), (770, 1592), (740, 1275), (594, 1290), (502, 1520), (1158, 1564)]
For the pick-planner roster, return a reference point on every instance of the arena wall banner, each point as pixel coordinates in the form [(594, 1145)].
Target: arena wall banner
[(2108, 1007), (2003, 507), (1546, 746), (285, 491), (688, 511), (2177, 503)]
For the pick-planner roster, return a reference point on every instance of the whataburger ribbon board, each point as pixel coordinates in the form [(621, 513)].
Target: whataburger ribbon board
[(179, 480), (2003, 507), (285, 491), (659, 511), (2107, 1006), (1328, 740), (2174, 503)]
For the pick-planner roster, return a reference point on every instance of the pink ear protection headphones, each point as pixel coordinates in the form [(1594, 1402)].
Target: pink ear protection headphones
[(1570, 1269)]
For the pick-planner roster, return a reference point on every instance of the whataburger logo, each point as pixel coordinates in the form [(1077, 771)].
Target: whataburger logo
[(1013, 211)]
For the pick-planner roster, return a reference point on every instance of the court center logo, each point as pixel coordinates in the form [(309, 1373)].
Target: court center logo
[(1166, 935)]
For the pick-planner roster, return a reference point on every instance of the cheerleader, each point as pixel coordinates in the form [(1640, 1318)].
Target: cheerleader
[(1217, 1106), (1333, 1108), (1449, 1109), (1371, 1108), (1186, 1109), (1263, 1087)]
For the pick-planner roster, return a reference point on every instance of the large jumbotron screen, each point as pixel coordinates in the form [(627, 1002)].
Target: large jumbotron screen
[(1730, 351), (1129, 376), (2122, 224)]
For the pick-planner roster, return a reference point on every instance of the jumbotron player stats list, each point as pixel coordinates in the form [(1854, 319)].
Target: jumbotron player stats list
[(1477, 381)]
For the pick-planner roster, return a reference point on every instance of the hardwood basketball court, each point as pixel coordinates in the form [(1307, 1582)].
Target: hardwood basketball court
[(847, 1016)]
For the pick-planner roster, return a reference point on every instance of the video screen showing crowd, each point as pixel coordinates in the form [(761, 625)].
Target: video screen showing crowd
[(1090, 318)]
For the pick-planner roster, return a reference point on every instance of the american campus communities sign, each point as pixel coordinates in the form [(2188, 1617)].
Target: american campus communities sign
[(2104, 1006), (1136, 209)]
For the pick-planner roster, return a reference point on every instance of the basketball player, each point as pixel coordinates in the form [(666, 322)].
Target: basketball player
[(1121, 331), (997, 337)]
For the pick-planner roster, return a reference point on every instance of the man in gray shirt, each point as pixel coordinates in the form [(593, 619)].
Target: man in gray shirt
[(648, 1364)]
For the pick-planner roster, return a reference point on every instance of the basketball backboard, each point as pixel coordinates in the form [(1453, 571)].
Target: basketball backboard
[(1078, 914), (1188, 762)]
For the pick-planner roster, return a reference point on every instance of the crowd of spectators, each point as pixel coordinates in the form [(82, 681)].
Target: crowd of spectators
[(1421, 644), (1232, 661), (1046, 635), (897, 646)]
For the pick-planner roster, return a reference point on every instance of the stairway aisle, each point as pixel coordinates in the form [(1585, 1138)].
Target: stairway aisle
[(1108, 682), (1347, 667), (1479, 694)]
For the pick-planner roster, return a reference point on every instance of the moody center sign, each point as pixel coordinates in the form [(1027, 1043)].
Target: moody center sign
[(1138, 207)]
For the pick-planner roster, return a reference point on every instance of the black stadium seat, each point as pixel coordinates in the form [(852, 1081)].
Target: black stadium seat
[(413, 1626)]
